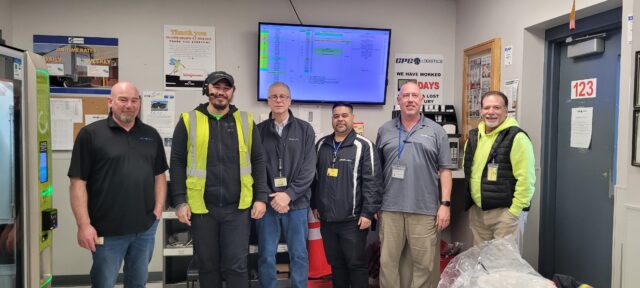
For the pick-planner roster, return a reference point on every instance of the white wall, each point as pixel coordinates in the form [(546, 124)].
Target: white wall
[(626, 235), (418, 26), (5, 20), (522, 24)]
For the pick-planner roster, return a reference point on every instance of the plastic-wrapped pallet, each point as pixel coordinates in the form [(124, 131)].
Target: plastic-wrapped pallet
[(493, 264)]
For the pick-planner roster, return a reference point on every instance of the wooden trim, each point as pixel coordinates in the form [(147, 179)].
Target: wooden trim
[(492, 47)]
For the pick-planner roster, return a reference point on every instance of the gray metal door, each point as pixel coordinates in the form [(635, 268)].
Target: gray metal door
[(579, 233)]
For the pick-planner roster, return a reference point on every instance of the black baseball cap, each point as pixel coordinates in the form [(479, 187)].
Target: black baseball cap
[(216, 77)]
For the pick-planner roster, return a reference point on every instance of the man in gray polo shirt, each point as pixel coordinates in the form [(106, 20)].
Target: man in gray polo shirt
[(414, 150)]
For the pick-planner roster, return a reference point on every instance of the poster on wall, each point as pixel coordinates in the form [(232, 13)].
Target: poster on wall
[(158, 110), (511, 91), (479, 79), (423, 69), (79, 65), (189, 56)]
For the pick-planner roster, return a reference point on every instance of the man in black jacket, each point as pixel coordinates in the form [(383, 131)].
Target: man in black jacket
[(346, 196), (291, 160)]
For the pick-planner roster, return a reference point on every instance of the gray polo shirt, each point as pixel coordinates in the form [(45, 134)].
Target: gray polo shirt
[(425, 152)]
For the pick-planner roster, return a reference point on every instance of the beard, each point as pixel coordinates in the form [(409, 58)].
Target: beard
[(124, 118), (491, 124), (220, 106)]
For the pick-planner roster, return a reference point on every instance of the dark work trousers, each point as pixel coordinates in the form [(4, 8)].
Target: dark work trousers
[(221, 246), (344, 246)]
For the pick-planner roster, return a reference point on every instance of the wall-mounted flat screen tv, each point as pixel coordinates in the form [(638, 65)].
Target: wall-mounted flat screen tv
[(324, 64)]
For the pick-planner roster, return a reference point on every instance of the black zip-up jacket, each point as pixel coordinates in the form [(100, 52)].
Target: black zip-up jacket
[(357, 190), (296, 149), (222, 186)]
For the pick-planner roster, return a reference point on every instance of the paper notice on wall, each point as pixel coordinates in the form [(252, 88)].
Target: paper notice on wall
[(426, 70), (64, 113), (66, 108), (158, 110), (61, 134), (90, 118), (581, 127), (511, 90), (189, 55), (508, 55)]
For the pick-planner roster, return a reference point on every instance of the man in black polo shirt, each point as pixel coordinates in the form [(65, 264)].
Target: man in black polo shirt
[(118, 188)]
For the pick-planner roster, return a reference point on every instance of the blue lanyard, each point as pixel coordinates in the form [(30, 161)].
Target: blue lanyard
[(401, 143), (336, 147)]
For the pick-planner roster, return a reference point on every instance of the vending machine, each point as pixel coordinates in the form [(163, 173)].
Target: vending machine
[(27, 216)]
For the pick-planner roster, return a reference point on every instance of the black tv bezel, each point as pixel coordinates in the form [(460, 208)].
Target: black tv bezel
[(386, 81)]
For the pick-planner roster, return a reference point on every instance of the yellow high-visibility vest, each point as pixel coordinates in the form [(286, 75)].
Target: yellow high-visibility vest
[(197, 147)]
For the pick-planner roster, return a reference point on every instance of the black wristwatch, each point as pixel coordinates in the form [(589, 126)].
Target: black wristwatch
[(445, 203)]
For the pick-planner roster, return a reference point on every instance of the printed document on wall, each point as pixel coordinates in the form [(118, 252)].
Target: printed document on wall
[(581, 127), (158, 111), (426, 70), (64, 113), (511, 91), (189, 56)]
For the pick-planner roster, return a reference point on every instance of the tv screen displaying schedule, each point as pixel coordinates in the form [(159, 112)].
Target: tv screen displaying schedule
[(324, 64)]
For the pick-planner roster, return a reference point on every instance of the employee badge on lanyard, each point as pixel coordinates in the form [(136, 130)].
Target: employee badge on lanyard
[(492, 168), (397, 170), (333, 171), (280, 181)]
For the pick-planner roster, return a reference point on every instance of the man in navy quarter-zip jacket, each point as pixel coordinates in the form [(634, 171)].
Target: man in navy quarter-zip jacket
[(347, 193), (290, 159)]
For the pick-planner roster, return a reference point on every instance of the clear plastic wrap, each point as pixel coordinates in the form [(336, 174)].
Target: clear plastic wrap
[(493, 264)]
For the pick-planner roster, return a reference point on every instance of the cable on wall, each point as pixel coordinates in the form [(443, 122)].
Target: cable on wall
[(294, 10)]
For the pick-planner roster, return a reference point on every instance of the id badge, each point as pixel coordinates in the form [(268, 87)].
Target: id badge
[(492, 172), (397, 171), (280, 181), (332, 172)]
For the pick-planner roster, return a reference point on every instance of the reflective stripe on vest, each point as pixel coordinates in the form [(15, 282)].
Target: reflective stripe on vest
[(197, 147)]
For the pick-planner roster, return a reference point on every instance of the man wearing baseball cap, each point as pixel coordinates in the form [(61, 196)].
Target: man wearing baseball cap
[(218, 181)]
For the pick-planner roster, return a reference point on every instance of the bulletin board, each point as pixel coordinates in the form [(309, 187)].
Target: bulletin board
[(481, 73), (90, 105)]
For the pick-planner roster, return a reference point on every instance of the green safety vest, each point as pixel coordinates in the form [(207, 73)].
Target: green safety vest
[(197, 147)]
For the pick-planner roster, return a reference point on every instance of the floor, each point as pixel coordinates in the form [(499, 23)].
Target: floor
[(312, 284), (149, 285)]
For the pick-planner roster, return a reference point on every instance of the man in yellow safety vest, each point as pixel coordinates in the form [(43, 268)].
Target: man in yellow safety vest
[(217, 173)]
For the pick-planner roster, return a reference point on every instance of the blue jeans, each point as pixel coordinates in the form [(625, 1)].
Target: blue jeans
[(136, 251), (296, 229)]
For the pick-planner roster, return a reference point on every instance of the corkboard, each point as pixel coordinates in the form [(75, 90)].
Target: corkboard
[(492, 49), (90, 105)]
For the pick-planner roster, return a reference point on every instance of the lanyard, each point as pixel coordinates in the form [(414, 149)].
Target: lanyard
[(494, 153), (281, 149), (402, 143), (336, 147)]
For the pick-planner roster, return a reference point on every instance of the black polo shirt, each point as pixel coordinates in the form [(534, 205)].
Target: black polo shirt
[(119, 168)]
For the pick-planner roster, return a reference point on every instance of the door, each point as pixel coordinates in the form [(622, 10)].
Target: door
[(577, 201)]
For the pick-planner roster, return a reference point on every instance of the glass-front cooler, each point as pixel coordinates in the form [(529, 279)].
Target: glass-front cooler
[(11, 91)]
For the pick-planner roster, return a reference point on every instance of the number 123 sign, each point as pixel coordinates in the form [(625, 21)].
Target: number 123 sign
[(585, 88)]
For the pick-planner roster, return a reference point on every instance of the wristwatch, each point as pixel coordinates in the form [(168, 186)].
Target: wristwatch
[(445, 203)]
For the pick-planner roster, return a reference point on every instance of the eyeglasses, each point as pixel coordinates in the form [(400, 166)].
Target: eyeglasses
[(278, 97), (406, 96)]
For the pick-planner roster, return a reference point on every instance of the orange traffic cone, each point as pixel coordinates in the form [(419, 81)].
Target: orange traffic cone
[(318, 266)]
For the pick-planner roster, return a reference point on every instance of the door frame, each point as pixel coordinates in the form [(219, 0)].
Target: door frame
[(555, 37)]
